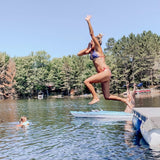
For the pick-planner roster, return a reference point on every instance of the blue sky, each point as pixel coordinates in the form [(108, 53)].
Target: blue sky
[(59, 27)]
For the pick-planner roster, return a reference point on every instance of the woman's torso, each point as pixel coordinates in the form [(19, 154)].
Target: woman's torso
[(99, 61)]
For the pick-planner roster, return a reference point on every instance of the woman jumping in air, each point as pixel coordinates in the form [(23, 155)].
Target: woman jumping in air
[(103, 75)]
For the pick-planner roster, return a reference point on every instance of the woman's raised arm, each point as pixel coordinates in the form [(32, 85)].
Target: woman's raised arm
[(92, 32), (85, 51)]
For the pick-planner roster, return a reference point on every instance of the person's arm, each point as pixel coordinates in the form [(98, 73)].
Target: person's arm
[(128, 92), (97, 45), (19, 125), (85, 51), (134, 89)]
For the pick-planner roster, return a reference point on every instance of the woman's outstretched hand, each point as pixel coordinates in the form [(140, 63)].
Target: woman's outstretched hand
[(88, 18)]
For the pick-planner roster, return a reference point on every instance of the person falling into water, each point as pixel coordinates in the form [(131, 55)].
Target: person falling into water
[(103, 75), (131, 98)]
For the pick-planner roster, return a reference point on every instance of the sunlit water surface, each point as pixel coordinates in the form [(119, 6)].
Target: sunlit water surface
[(54, 134)]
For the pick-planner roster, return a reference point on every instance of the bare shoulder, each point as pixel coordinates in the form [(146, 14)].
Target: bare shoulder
[(99, 51)]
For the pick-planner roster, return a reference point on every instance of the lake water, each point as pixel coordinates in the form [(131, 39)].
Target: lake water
[(54, 134)]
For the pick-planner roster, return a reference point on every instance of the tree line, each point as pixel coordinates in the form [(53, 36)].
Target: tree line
[(133, 59)]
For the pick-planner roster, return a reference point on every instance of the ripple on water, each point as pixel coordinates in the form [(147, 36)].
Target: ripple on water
[(55, 134)]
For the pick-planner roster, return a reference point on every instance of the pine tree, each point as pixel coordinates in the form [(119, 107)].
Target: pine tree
[(7, 81)]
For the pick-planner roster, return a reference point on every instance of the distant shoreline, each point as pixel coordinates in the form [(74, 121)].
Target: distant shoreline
[(153, 93)]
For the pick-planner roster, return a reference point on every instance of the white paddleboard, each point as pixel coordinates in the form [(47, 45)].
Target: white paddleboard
[(103, 114)]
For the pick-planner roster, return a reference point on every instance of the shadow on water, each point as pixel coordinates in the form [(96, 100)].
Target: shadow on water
[(55, 134)]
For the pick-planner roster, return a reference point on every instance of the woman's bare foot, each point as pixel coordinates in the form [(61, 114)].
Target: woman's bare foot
[(94, 101), (128, 110), (129, 104)]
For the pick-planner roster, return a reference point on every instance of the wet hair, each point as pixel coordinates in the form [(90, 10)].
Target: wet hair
[(99, 38)]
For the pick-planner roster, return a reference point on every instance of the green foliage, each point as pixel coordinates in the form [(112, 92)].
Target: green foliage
[(136, 59), (32, 72)]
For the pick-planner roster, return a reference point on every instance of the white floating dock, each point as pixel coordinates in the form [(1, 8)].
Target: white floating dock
[(147, 121)]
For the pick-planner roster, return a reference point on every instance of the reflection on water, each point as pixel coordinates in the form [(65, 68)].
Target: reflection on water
[(148, 101), (8, 111), (55, 134)]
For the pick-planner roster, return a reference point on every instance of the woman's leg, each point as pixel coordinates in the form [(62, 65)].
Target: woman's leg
[(107, 96), (97, 78)]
